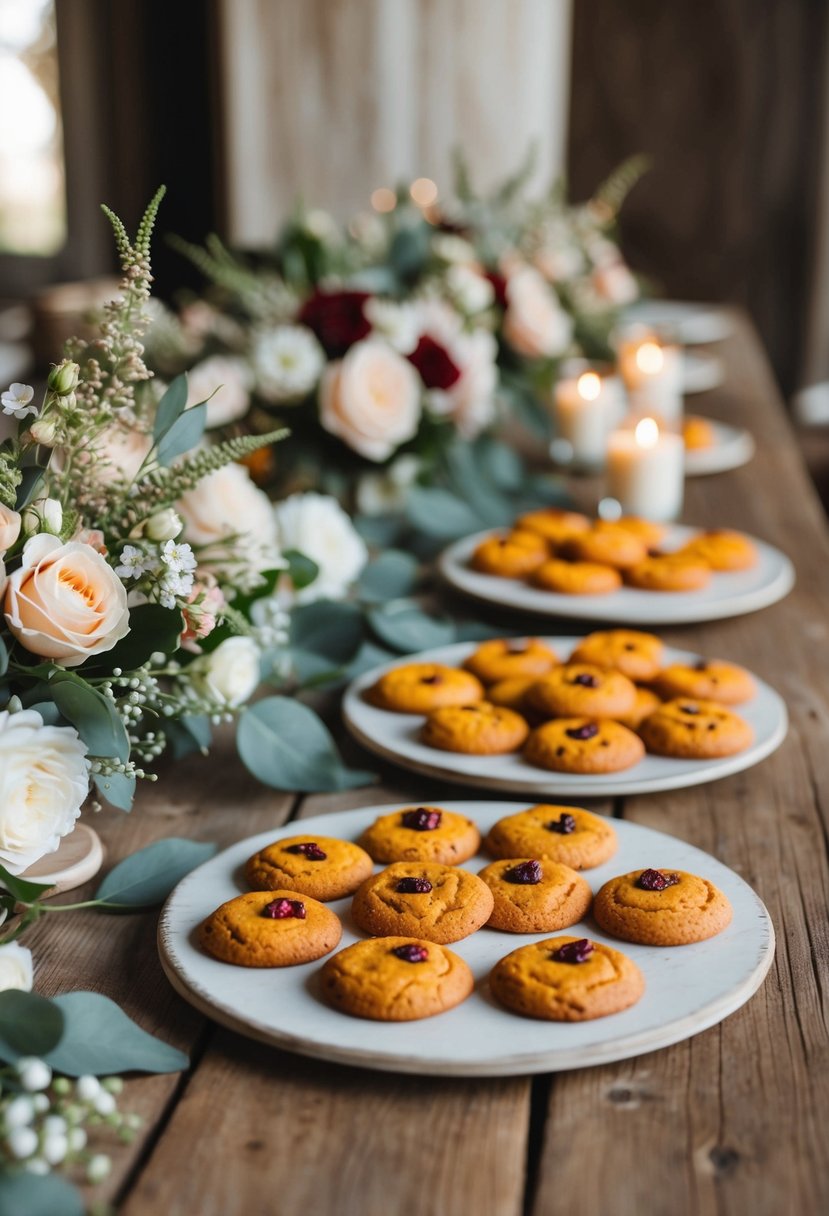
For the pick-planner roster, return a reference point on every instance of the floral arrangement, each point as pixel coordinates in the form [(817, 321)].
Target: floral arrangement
[(383, 342)]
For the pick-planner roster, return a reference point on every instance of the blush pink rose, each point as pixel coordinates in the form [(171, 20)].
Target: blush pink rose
[(371, 399), (535, 324), (9, 527)]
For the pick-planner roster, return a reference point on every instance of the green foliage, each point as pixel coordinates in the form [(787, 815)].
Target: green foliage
[(324, 636), (147, 877), (404, 627), (392, 574), (93, 715), (30, 1025), (24, 1194), (285, 745), (22, 888), (152, 628), (118, 789), (301, 569), (99, 1038)]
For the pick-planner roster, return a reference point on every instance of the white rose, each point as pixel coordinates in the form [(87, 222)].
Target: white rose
[(226, 510), (287, 361), (43, 782), (317, 526), (15, 967), (371, 399), (229, 380), (65, 602), (535, 324), (9, 527), (231, 671)]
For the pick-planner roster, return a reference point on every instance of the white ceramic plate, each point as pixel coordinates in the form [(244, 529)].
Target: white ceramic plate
[(701, 372), (689, 988), (733, 447), (691, 323), (726, 595), (395, 737)]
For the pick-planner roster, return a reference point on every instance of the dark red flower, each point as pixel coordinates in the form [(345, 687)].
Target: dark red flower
[(436, 368), (499, 286), (337, 318)]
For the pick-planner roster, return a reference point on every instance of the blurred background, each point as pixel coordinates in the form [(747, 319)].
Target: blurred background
[(244, 106)]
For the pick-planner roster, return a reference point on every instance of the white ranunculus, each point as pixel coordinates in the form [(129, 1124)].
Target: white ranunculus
[(15, 967), (226, 510), (231, 671), (371, 399), (228, 379), (535, 324), (287, 363), (397, 323), (317, 526), (44, 780)]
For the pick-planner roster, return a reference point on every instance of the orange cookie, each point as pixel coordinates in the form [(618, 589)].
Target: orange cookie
[(637, 655), (577, 689), (566, 979), (513, 555), (576, 578), (505, 658), (532, 896), (723, 550), (319, 866), (647, 531), (511, 693), (646, 703), (710, 680), (395, 979), (270, 929), (609, 545), (695, 730), (581, 745), (553, 524), (477, 730), (423, 900), (417, 688), (669, 572), (421, 833), (575, 837), (664, 907)]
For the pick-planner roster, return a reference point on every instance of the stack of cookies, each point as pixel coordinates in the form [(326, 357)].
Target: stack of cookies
[(565, 552), (599, 712), (423, 900)]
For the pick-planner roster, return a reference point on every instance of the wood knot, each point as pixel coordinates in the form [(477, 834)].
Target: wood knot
[(724, 1160)]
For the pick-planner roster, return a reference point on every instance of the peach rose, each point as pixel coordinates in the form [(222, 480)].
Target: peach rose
[(371, 399), (9, 527), (535, 324), (65, 603)]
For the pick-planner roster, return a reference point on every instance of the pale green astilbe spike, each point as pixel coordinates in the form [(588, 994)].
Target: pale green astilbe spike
[(615, 188), (143, 237), (263, 296)]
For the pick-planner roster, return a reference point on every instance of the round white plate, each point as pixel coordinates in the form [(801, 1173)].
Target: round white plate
[(701, 372), (78, 858), (396, 738), (733, 447), (690, 323), (726, 595), (689, 988)]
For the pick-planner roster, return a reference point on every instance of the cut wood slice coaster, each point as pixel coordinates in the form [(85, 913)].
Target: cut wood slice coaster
[(79, 858)]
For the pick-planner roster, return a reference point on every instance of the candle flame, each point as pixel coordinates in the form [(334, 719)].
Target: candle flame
[(649, 358), (589, 386), (646, 433)]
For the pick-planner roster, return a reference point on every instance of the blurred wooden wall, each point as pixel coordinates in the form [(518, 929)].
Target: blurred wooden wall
[(328, 99), (727, 96)]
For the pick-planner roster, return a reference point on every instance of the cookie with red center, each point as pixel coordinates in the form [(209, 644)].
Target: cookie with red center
[(270, 929), (421, 833), (533, 895), (583, 745), (567, 834), (421, 899), (566, 979), (475, 730), (395, 979), (319, 866), (637, 655), (511, 658), (581, 688), (710, 680), (417, 688), (692, 729), (661, 907), (510, 554)]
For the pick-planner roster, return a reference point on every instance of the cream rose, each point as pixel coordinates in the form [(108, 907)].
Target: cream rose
[(317, 526), (9, 527), (65, 603), (228, 380), (231, 671), (227, 510), (43, 782), (121, 451), (371, 399), (535, 324), (16, 969)]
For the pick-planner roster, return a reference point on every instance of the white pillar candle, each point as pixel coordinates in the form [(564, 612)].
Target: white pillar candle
[(585, 410), (646, 470), (652, 374)]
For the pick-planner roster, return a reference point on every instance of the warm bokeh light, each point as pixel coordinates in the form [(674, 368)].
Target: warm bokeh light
[(649, 358), (646, 433), (424, 191), (383, 199), (589, 386)]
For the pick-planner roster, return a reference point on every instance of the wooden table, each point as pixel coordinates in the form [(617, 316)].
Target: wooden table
[(730, 1122)]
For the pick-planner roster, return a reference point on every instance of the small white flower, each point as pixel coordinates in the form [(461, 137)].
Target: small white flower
[(15, 400), (36, 1165), (104, 1103), (178, 557), (40, 1103), (87, 1087), (288, 362), (55, 1148), (44, 432), (16, 960), (133, 563), (230, 672), (42, 515), (19, 1113), (98, 1168), (164, 525), (451, 248), (471, 291), (22, 1142), (397, 323), (54, 1125), (34, 1074), (77, 1139)]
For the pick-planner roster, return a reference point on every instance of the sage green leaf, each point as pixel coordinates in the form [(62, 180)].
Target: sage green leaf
[(440, 513), (147, 877), (4, 658), (501, 464), (21, 888), (183, 435), (171, 406), (118, 789), (301, 569), (333, 629), (92, 714), (406, 628), (152, 628), (100, 1039), (381, 531), (30, 1024), (285, 745), (39, 1195), (389, 576), (29, 487), (48, 711)]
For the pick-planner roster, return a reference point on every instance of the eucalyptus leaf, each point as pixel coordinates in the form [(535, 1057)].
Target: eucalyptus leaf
[(4, 658), (48, 711), (406, 628), (171, 406), (24, 1194), (389, 576), (152, 628), (301, 569), (29, 487), (118, 789), (331, 628), (147, 877), (183, 435), (99, 1038), (30, 1024), (21, 888), (501, 464), (285, 745), (380, 531), (92, 714), (440, 513)]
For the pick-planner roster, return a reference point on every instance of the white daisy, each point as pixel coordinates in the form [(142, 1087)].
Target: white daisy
[(15, 400), (287, 362)]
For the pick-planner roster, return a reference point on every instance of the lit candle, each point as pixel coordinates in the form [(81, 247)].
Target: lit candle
[(585, 409), (652, 372), (645, 471)]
